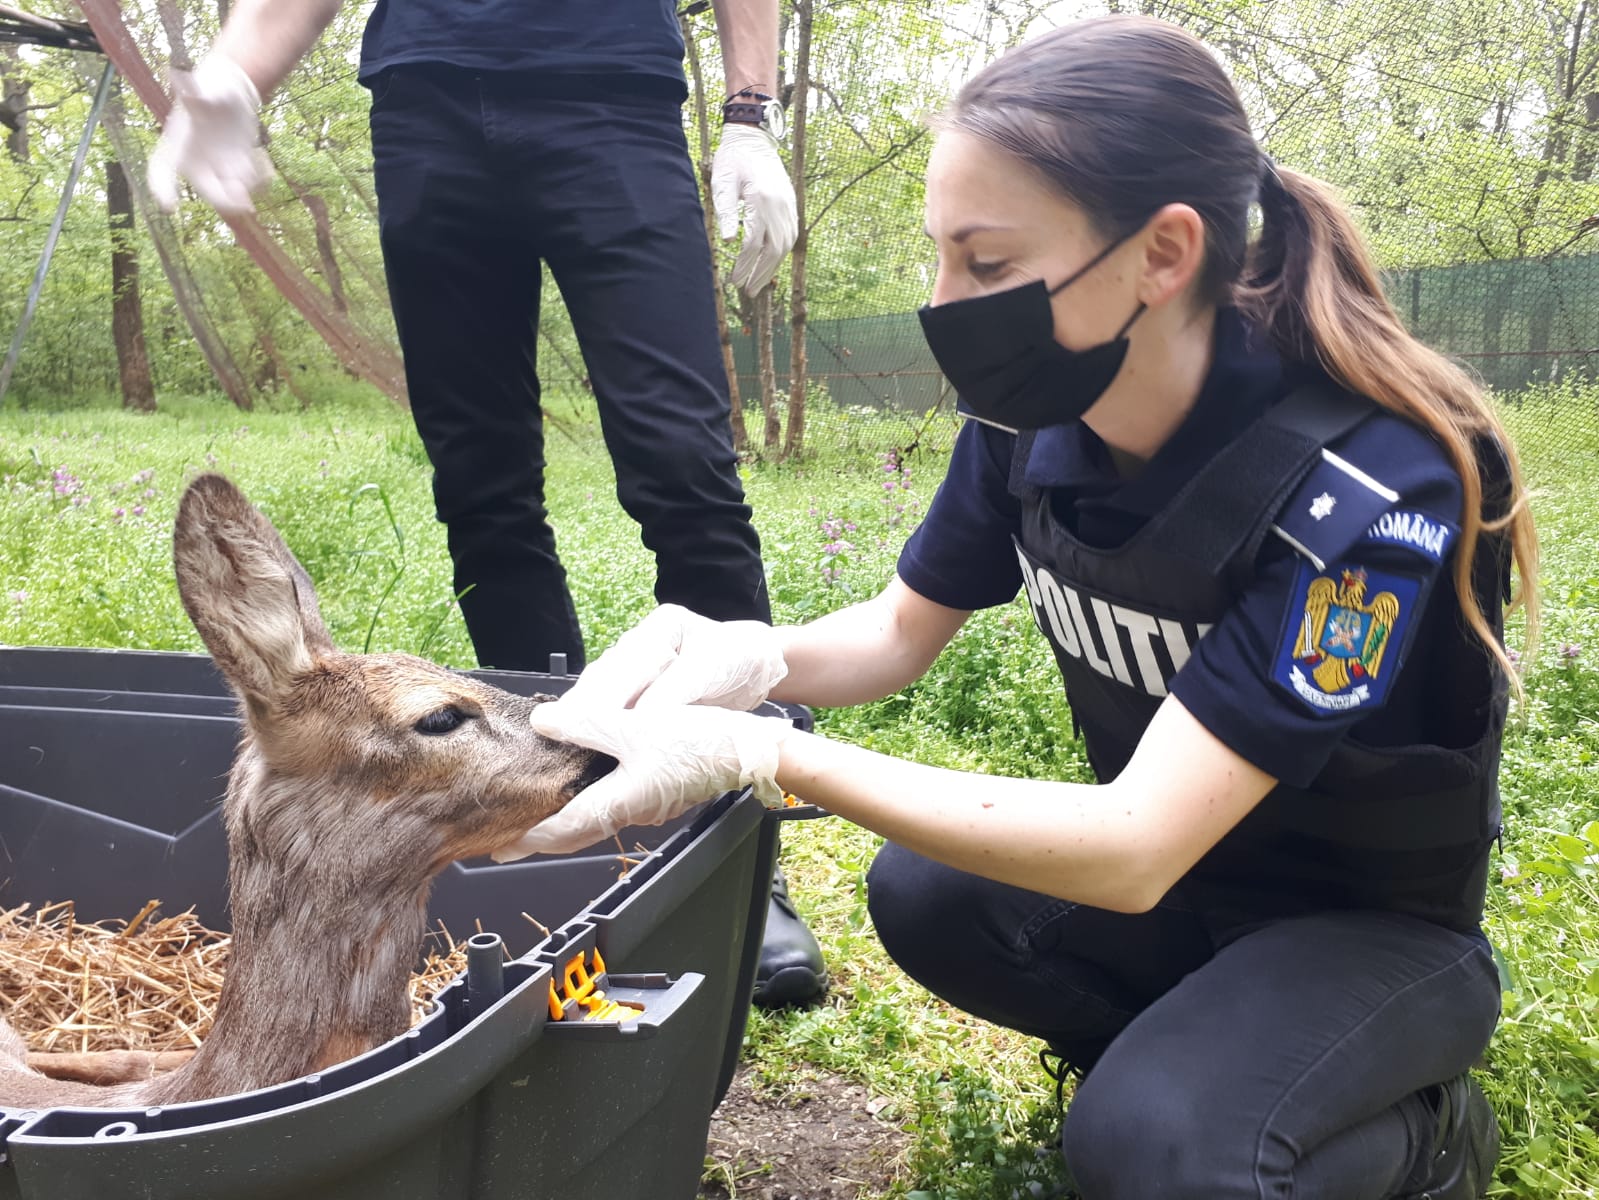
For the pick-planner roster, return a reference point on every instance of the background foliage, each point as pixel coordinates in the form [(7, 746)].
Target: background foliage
[(1465, 136)]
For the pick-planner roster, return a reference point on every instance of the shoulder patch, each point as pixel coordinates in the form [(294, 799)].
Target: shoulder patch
[(1331, 509), (1343, 636)]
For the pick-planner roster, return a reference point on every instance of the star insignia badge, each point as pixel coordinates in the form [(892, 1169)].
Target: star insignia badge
[(1322, 505)]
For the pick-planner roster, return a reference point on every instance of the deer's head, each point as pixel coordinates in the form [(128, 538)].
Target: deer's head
[(359, 771)]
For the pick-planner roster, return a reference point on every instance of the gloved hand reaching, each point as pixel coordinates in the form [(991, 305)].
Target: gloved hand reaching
[(675, 656), (747, 169), (211, 138), (668, 760)]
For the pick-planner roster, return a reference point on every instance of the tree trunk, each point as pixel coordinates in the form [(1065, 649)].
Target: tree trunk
[(376, 362), (794, 444), (185, 293), (766, 365), (1582, 162), (127, 310), (177, 42), (1540, 364), (318, 209), (282, 371), (724, 333), (15, 91), (1557, 137), (1496, 307), (767, 368)]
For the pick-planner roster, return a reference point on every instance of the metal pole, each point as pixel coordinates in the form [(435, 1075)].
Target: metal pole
[(100, 95)]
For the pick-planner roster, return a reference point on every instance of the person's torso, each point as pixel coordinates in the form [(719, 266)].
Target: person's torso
[(1401, 825), (621, 39)]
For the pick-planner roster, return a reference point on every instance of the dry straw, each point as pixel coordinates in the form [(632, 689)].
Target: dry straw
[(147, 983)]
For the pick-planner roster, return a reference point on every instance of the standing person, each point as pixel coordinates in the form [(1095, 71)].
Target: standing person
[(1269, 538), (512, 133)]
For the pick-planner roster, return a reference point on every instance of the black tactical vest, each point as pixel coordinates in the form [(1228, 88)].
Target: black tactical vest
[(1407, 828)]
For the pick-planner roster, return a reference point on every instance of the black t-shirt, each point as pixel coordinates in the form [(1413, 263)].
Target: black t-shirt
[(625, 40)]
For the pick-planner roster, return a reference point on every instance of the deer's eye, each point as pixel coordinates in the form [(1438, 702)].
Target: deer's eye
[(441, 720)]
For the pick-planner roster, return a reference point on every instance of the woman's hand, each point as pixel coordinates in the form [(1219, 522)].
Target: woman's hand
[(669, 758), (675, 656)]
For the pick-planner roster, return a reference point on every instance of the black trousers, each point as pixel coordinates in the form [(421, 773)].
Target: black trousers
[(479, 180), (1284, 1058)]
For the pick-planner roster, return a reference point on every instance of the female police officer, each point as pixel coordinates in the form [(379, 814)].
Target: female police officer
[(1268, 536)]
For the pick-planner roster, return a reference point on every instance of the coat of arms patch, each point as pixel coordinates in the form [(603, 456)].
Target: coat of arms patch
[(1344, 647)]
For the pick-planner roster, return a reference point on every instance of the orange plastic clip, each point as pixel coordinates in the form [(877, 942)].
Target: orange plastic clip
[(580, 985)]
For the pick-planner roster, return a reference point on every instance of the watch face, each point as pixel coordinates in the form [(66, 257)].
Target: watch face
[(772, 118)]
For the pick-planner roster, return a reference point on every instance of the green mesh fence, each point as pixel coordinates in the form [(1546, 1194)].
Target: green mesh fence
[(1464, 136), (1516, 324)]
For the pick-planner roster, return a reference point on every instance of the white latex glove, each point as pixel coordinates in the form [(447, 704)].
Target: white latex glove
[(675, 656), (211, 138), (668, 760), (747, 170)]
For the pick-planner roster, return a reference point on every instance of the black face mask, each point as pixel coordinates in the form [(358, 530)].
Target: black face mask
[(1000, 354)]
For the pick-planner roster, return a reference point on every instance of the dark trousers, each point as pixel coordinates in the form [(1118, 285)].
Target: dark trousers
[(1287, 1058), (479, 180)]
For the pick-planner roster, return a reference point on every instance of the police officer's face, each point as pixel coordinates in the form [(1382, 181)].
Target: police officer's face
[(997, 226)]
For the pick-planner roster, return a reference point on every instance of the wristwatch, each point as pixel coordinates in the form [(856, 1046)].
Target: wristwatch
[(754, 108)]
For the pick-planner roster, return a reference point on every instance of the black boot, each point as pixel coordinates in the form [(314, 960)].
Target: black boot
[(790, 970), (1059, 1068), (1465, 1147)]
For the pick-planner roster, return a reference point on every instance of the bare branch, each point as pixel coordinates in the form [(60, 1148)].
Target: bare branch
[(892, 153)]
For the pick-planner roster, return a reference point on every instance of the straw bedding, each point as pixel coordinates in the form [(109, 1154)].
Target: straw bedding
[(141, 983)]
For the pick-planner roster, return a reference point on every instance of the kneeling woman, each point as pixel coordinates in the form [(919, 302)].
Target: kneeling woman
[(1269, 537)]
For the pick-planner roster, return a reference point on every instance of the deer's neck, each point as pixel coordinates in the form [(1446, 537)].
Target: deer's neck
[(315, 976)]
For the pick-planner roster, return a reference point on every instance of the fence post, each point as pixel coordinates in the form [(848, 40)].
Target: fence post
[(100, 95)]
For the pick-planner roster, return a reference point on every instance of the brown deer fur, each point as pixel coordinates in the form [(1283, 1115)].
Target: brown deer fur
[(340, 810)]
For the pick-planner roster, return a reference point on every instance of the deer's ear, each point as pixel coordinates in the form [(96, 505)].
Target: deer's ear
[(252, 603)]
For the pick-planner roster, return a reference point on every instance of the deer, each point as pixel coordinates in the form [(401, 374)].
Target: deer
[(356, 780)]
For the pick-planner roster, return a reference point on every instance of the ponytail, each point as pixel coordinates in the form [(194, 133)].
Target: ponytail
[(1309, 282), (1123, 114)]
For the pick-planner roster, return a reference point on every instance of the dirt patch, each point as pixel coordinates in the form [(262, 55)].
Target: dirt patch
[(820, 1137)]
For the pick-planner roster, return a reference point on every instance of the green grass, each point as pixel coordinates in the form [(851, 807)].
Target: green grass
[(347, 484)]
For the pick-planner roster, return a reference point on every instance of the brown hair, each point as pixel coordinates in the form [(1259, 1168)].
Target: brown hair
[(1126, 114)]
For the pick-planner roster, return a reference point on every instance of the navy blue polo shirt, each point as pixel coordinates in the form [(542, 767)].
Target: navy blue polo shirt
[(1244, 679), (627, 41)]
